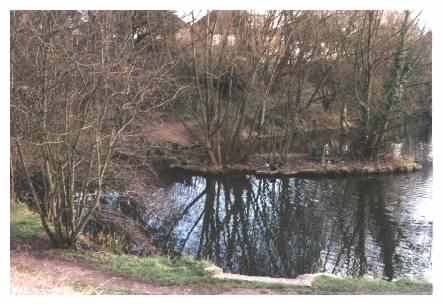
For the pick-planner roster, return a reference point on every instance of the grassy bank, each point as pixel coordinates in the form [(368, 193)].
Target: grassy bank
[(161, 270), (329, 285), (25, 225), (158, 269), (187, 272)]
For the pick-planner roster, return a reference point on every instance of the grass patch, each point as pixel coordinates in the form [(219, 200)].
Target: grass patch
[(25, 225), (156, 269), (159, 269), (181, 271), (90, 290), (329, 285)]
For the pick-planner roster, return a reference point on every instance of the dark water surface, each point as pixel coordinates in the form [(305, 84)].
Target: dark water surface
[(377, 225)]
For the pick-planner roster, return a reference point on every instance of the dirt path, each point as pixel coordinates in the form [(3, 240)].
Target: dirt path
[(168, 132), (31, 274), (37, 273)]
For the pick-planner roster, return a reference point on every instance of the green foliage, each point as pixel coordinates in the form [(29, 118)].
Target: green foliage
[(24, 224), (316, 151)]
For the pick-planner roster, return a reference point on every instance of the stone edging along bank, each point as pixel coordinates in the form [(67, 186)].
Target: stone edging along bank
[(304, 280), (308, 170)]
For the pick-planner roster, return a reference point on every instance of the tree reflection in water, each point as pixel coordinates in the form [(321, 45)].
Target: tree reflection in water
[(379, 225), (290, 226)]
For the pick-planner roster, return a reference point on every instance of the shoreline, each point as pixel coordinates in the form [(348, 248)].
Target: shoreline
[(307, 168), (36, 268)]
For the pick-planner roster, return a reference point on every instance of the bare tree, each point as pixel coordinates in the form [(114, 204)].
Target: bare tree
[(384, 63), (79, 82), (235, 58)]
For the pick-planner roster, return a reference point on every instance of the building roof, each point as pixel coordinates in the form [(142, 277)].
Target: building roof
[(222, 21)]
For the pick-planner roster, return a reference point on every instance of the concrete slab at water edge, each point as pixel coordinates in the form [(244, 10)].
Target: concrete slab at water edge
[(303, 280)]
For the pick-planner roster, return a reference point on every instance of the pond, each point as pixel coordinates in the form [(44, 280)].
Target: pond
[(378, 225)]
